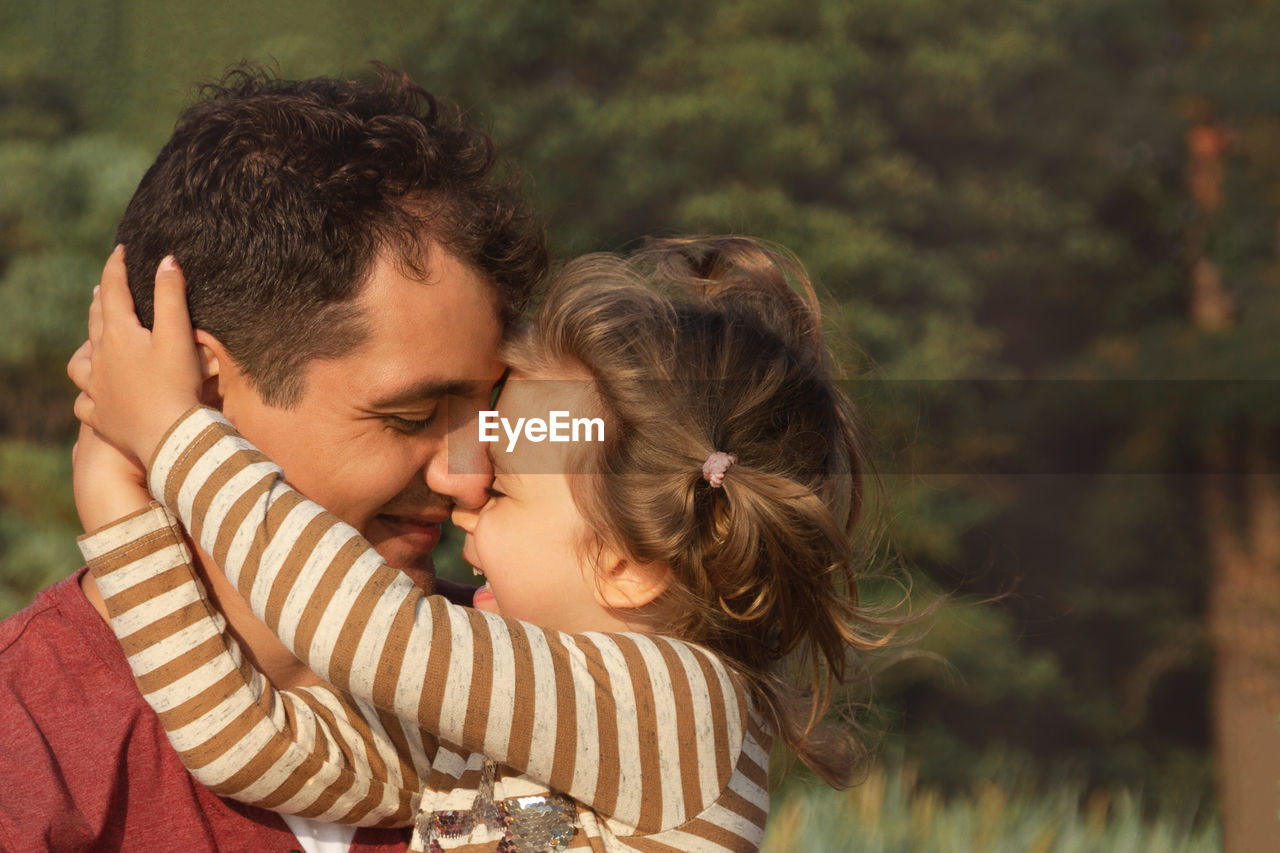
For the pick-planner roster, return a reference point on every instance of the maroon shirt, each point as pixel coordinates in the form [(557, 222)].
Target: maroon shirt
[(84, 761)]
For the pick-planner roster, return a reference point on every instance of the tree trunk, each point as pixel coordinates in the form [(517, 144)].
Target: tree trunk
[(1242, 528), (1244, 627)]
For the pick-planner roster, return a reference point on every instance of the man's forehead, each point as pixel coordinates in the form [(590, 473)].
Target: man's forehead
[(430, 389), (425, 339)]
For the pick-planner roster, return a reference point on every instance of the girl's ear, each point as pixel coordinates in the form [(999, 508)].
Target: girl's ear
[(625, 584), (214, 364)]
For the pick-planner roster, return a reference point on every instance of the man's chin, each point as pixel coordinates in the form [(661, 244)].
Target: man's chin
[(406, 546), (423, 578), (414, 563)]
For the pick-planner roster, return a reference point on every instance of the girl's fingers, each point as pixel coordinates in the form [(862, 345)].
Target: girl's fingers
[(117, 301), (172, 321), (80, 367)]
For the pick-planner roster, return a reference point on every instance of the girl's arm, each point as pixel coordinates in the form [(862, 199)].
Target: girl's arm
[(642, 728), (313, 752), (310, 751)]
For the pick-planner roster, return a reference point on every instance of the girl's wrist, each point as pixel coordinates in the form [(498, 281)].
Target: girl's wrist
[(165, 416), (111, 501)]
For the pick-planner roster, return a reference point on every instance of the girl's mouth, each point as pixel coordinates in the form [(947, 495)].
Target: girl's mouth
[(485, 600)]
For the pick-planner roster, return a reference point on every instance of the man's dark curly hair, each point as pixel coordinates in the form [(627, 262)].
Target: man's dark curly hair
[(277, 196)]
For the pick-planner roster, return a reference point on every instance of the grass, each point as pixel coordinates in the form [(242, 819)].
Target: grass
[(891, 813)]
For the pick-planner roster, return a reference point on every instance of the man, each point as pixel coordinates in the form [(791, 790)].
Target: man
[(351, 264)]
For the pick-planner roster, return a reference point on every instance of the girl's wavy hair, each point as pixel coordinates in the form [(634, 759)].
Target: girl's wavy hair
[(699, 345)]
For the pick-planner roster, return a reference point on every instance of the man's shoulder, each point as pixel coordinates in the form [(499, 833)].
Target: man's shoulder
[(80, 740), (59, 707), (61, 626), (61, 667), (31, 628)]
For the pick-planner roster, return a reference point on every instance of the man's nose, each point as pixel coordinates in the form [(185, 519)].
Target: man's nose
[(462, 470)]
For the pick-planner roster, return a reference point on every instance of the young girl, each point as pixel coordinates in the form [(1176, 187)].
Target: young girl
[(661, 603)]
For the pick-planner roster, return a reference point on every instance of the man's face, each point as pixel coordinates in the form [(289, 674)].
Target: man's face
[(385, 437)]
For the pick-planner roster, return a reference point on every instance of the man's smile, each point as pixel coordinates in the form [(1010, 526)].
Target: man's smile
[(422, 530)]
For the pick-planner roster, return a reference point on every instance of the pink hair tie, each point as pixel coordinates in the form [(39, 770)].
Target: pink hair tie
[(715, 466)]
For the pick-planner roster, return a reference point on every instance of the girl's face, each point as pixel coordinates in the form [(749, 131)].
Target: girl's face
[(527, 539)]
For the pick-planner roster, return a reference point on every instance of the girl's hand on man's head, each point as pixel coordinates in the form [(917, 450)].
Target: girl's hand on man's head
[(135, 382)]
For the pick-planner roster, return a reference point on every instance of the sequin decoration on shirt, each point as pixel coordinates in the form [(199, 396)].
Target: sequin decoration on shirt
[(540, 823)]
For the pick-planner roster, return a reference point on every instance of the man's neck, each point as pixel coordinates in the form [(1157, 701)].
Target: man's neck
[(260, 646)]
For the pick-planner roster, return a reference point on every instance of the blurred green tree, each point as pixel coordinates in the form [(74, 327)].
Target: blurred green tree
[(991, 191), (998, 196), (65, 185)]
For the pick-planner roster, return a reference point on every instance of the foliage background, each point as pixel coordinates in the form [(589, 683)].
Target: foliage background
[(1004, 200)]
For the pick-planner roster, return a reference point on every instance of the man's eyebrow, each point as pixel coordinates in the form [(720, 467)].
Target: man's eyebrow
[(431, 389)]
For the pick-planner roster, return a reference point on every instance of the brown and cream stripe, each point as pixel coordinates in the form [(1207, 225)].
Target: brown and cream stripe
[(654, 737)]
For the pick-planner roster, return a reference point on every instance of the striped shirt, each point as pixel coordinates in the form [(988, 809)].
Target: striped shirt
[(654, 739)]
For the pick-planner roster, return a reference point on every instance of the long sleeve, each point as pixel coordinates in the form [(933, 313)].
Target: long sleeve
[(644, 729), (310, 751)]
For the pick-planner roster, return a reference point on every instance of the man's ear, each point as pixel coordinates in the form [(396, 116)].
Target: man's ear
[(624, 584), (216, 366)]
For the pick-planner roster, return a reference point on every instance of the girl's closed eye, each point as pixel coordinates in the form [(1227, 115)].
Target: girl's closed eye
[(495, 493)]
